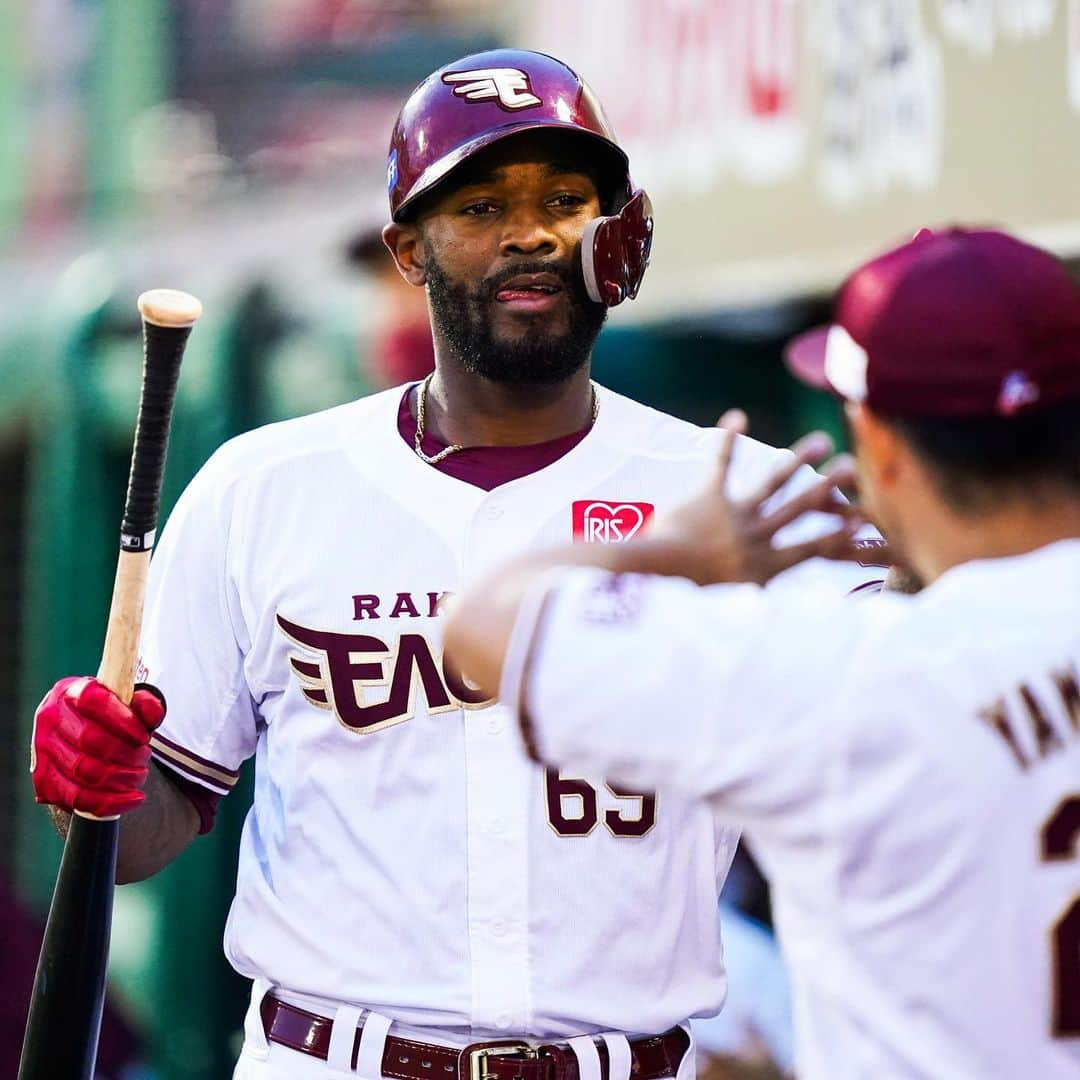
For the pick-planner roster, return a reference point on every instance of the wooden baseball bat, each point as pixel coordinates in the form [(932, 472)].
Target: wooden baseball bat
[(69, 988)]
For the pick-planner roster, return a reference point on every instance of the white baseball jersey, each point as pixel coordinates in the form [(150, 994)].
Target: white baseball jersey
[(908, 771), (401, 854)]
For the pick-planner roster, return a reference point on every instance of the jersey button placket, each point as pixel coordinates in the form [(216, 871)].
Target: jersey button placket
[(497, 851), (498, 875)]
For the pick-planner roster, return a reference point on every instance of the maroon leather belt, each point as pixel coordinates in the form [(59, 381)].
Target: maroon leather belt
[(502, 1059)]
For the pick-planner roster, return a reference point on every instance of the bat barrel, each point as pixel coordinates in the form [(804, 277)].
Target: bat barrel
[(70, 982)]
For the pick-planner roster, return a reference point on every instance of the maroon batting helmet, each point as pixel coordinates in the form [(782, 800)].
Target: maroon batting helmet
[(478, 100)]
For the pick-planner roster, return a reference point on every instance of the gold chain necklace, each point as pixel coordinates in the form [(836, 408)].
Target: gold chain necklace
[(453, 448)]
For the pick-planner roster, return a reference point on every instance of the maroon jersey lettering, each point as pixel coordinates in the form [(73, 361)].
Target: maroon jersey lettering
[(349, 663)]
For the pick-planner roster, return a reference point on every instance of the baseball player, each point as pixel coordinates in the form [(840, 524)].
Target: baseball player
[(414, 898), (908, 770)]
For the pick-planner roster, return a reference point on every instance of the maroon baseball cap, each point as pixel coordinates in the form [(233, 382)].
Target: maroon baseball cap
[(953, 323)]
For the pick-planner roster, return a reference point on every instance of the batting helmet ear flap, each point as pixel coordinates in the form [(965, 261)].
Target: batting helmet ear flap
[(615, 251)]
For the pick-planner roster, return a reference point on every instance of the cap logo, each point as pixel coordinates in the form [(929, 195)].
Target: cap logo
[(508, 87), (1017, 390), (845, 364)]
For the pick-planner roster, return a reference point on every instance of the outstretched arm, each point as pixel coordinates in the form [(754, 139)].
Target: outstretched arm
[(711, 539)]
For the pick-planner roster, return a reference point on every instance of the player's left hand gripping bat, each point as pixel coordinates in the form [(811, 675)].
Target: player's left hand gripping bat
[(69, 988)]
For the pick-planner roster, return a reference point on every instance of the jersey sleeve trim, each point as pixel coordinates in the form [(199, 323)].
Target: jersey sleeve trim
[(868, 588), (202, 798), (210, 774)]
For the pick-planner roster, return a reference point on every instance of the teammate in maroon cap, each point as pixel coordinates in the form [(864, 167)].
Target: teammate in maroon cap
[(414, 898), (908, 771)]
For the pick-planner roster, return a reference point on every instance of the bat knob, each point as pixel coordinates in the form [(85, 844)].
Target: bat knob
[(169, 307)]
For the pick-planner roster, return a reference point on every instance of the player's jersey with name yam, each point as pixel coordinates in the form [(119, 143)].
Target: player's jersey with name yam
[(907, 771), (402, 853)]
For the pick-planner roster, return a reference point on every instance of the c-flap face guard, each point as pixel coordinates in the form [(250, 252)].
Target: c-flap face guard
[(615, 251)]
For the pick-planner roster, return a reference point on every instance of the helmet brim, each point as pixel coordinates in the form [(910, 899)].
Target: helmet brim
[(440, 172)]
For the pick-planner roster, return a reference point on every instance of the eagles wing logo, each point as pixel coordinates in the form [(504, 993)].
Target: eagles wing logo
[(508, 87), (347, 665)]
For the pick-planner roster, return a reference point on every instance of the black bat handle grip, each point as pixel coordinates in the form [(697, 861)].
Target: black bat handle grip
[(166, 345)]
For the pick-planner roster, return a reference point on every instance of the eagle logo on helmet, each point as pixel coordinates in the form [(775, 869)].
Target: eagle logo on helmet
[(508, 87)]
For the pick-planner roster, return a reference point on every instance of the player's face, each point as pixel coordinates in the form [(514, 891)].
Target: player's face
[(502, 264)]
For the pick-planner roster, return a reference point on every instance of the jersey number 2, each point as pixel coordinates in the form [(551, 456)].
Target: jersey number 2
[(572, 808), (1061, 840)]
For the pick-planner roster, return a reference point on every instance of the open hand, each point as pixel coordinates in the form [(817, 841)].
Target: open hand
[(715, 538)]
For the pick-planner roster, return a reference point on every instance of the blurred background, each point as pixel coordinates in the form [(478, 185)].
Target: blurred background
[(236, 149)]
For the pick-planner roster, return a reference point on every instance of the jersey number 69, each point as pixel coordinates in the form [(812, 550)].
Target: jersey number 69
[(572, 808)]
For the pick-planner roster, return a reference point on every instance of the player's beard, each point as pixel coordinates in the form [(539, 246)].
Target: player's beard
[(538, 356)]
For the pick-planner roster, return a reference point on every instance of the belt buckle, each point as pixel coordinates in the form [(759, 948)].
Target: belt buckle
[(478, 1058)]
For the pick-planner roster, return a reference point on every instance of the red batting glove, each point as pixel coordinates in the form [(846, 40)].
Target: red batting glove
[(90, 752)]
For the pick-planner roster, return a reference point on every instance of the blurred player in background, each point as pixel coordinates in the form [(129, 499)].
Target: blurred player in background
[(751, 1037), (908, 770), (399, 348), (412, 893)]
